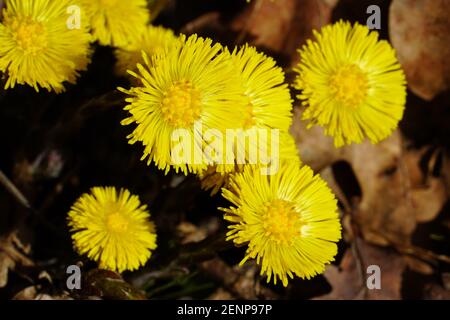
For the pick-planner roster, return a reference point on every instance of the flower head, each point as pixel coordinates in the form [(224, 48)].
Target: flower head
[(288, 220), (37, 46), (269, 103), (112, 228), (352, 84), (154, 40), (268, 100), (116, 22), (191, 86), (268, 106)]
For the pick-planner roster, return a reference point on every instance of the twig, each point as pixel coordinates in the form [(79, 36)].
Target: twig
[(156, 7), (404, 172), (15, 192), (417, 252), (255, 10), (204, 20), (360, 263), (22, 200)]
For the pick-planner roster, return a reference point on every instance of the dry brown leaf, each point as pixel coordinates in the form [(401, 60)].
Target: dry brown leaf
[(396, 194), (446, 280), (43, 296), (428, 201), (29, 293), (221, 294), (436, 292), (418, 265), (189, 233), (347, 283), (12, 252), (383, 185), (32, 293), (315, 148), (6, 264), (282, 26), (376, 169), (419, 31), (393, 201)]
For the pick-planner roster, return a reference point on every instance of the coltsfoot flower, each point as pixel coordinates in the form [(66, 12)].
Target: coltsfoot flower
[(154, 40), (116, 22), (352, 84), (288, 220), (268, 107), (37, 46), (269, 103), (194, 83), (113, 228)]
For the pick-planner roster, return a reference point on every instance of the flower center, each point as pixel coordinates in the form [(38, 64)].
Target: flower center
[(282, 223), (115, 222), (29, 35), (181, 105), (349, 85)]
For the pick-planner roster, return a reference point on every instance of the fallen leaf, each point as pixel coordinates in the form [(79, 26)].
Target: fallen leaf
[(12, 253), (428, 201), (315, 148), (29, 293), (419, 266), (33, 293), (347, 283), (436, 292), (282, 26), (419, 31), (188, 232), (221, 294), (446, 280), (396, 193), (6, 264)]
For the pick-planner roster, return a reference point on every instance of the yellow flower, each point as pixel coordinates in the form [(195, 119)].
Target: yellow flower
[(194, 83), (37, 46), (112, 228), (268, 106), (352, 84), (289, 220), (116, 22), (269, 103), (154, 40)]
